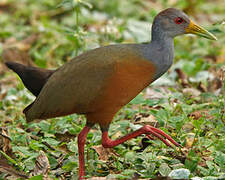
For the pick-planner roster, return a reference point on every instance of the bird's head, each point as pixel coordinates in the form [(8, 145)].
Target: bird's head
[(174, 22)]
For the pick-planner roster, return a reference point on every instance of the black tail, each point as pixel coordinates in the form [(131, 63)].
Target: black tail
[(33, 78)]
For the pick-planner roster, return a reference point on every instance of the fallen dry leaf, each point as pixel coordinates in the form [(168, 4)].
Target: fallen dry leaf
[(6, 168), (182, 77), (202, 87), (147, 119), (182, 155), (16, 55), (191, 92), (99, 178), (23, 45), (215, 84), (104, 153), (5, 140), (2, 95), (65, 137), (190, 139), (17, 51), (196, 115), (188, 127), (42, 166), (203, 160), (161, 92), (200, 113)]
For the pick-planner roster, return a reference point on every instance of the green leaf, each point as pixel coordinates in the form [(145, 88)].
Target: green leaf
[(162, 116), (220, 159), (39, 177), (164, 169), (139, 99), (35, 145), (24, 151), (69, 165), (51, 141)]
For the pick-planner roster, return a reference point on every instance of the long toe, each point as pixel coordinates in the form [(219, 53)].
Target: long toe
[(159, 133), (162, 139)]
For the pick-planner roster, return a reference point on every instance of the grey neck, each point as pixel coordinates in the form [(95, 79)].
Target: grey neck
[(161, 38), (162, 50)]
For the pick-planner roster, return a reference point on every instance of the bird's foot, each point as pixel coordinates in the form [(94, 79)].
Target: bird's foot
[(159, 134)]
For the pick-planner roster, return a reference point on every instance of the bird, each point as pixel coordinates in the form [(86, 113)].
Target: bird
[(99, 82)]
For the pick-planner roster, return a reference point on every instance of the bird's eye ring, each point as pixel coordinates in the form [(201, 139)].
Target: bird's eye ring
[(178, 20)]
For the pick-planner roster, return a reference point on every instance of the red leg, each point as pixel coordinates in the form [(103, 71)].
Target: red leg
[(108, 143), (81, 143)]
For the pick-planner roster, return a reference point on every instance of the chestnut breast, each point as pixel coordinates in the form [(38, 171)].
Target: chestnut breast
[(130, 76)]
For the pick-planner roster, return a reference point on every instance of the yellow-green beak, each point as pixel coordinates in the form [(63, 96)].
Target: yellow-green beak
[(196, 29)]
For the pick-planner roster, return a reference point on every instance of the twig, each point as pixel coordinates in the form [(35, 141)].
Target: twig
[(5, 136)]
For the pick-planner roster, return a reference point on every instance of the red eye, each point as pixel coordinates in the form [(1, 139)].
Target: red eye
[(178, 20)]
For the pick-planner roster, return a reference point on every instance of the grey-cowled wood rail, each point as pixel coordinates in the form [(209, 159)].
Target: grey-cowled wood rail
[(99, 82)]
